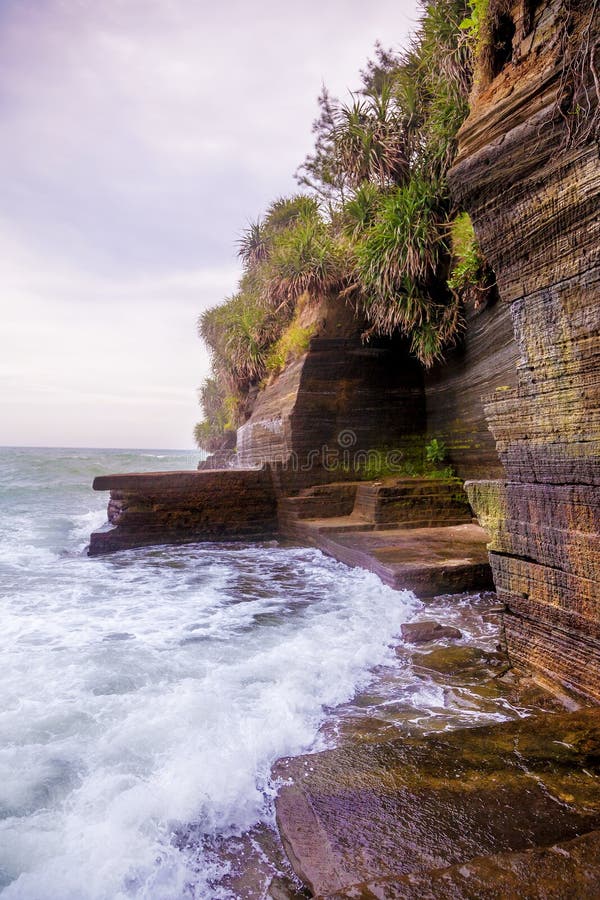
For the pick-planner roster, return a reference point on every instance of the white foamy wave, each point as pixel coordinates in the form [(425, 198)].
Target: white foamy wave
[(152, 692), (83, 525)]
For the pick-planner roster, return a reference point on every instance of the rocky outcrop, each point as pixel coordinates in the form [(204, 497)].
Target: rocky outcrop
[(181, 507), (428, 630), (484, 360), (371, 819), (414, 533), (429, 561), (529, 175), (248, 504), (345, 397), (340, 400)]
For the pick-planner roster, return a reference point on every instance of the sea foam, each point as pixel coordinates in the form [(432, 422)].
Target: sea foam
[(149, 693)]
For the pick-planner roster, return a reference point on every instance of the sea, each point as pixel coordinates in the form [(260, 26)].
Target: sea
[(146, 695)]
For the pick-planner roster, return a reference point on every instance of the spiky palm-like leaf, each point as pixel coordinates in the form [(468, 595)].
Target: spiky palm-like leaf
[(253, 246), (369, 140), (406, 243), (305, 259), (285, 211), (359, 213)]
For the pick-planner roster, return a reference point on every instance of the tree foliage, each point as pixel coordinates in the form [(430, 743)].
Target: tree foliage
[(377, 226)]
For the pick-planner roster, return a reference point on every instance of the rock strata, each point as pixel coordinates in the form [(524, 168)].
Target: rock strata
[(532, 187), (341, 398), (181, 507)]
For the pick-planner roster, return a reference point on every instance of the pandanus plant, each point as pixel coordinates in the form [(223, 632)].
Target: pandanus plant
[(253, 246), (369, 140)]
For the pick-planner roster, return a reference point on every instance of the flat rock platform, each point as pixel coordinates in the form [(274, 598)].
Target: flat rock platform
[(499, 811), (428, 561)]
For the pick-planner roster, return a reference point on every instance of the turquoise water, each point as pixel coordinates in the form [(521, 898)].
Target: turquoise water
[(146, 695)]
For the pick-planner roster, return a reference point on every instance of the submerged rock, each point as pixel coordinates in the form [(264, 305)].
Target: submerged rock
[(286, 889), (461, 660), (428, 630)]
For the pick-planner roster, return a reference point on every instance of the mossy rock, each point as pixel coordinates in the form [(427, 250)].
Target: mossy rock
[(461, 660)]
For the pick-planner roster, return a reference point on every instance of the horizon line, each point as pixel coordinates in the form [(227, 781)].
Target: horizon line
[(81, 447)]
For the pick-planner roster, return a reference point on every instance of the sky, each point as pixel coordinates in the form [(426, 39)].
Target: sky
[(137, 139)]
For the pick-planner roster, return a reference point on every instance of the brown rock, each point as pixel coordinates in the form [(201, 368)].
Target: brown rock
[(461, 660), (370, 393), (534, 203), (285, 889), (428, 630), (180, 507), (405, 808), (568, 870)]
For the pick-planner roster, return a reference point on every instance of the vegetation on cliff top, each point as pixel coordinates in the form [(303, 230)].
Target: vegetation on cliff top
[(377, 229)]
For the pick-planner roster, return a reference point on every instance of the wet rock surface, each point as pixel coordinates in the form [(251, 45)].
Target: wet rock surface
[(428, 561), (443, 685), (462, 661), (565, 871), (382, 811), (428, 630), (404, 697)]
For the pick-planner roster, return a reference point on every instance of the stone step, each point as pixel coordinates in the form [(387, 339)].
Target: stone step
[(427, 501), (323, 501), (340, 524), (392, 503), (428, 561)]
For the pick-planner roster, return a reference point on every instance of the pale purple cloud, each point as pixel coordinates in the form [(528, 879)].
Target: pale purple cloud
[(136, 138)]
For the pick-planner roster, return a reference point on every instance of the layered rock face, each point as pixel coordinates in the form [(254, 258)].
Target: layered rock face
[(180, 507), (529, 174), (484, 360), (342, 398), (346, 397)]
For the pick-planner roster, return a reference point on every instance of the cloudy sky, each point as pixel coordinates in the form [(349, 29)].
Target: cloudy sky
[(137, 137)]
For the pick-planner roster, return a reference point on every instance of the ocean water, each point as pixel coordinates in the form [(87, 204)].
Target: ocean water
[(145, 695)]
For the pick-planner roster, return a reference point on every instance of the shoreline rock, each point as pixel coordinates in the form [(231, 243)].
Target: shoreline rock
[(428, 630), (407, 808)]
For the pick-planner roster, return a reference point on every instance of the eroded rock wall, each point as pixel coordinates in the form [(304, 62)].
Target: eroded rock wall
[(484, 360), (180, 507), (529, 175), (342, 398)]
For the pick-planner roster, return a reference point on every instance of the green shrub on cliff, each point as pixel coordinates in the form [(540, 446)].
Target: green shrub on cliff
[(378, 229), (215, 432), (290, 254), (470, 277), (396, 142), (398, 256), (368, 139), (294, 341), (306, 258), (239, 334), (474, 22)]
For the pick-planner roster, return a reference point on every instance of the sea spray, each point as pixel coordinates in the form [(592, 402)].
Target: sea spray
[(151, 691)]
